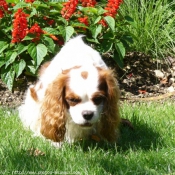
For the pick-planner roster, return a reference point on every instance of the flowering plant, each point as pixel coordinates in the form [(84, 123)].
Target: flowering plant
[(33, 31)]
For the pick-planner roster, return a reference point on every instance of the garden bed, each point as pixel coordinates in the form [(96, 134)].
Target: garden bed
[(141, 77)]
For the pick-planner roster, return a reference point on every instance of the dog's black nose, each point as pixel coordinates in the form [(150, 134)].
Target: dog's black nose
[(88, 115)]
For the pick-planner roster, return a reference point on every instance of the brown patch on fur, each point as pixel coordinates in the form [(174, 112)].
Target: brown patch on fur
[(71, 98), (33, 94), (84, 74), (68, 70), (43, 68), (53, 117), (98, 97), (110, 116)]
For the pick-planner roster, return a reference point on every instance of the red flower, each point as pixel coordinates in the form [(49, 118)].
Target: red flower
[(112, 7), (88, 3), (50, 22), (29, 1), (3, 8), (84, 20), (1, 14), (69, 8), (19, 26), (45, 17), (37, 31), (103, 23)]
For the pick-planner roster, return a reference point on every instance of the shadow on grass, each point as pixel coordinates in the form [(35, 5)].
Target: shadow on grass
[(142, 137)]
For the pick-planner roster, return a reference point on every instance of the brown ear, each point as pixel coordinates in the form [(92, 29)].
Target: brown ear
[(53, 116), (110, 118)]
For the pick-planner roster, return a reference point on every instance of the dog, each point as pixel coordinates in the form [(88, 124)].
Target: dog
[(76, 96)]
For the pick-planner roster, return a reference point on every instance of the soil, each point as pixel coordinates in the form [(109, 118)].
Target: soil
[(141, 77)]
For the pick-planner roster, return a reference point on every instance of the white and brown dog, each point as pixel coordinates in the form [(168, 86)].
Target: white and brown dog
[(75, 97)]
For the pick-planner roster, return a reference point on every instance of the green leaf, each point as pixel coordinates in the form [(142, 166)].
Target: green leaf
[(3, 46), (7, 76), (21, 5), (29, 36), (88, 10), (37, 52), (21, 48), (69, 32), (92, 40), (50, 30), (33, 12), (31, 69), (2, 61), (110, 21), (106, 46), (49, 43), (41, 53), (101, 11), (77, 24), (96, 31), (32, 51), (97, 20), (120, 48), (131, 21), (13, 1), (19, 67), (109, 35), (119, 54), (118, 59), (11, 56)]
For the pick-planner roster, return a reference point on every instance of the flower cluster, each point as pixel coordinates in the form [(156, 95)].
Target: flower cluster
[(112, 7), (69, 8), (48, 20), (88, 3), (29, 1), (37, 31), (84, 20), (3, 8), (19, 26)]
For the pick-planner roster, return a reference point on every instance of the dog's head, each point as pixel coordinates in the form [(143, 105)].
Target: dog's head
[(86, 92), (87, 95)]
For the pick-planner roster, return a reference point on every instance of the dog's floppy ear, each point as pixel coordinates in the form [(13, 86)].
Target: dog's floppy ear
[(53, 117), (110, 116)]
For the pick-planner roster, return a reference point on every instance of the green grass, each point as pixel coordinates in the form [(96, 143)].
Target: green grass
[(153, 26), (148, 150)]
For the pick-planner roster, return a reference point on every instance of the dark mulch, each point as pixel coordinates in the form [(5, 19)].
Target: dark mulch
[(141, 77)]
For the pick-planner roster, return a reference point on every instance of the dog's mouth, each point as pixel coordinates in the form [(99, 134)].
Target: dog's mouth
[(86, 125)]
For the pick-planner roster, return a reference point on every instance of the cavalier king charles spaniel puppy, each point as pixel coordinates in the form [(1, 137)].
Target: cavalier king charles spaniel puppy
[(76, 96)]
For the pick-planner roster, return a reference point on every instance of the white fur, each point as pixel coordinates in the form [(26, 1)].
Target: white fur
[(74, 53), (84, 88)]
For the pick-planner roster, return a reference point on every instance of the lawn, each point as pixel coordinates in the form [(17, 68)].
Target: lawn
[(148, 149)]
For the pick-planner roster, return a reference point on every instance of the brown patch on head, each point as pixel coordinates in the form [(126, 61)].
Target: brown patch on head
[(71, 98), (84, 74), (66, 71)]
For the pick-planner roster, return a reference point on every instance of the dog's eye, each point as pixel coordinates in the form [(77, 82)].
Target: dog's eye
[(73, 101), (97, 100)]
